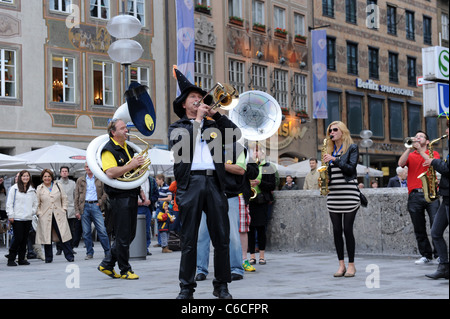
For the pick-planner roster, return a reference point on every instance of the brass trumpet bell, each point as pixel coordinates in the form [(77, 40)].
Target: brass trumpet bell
[(226, 96), (409, 141)]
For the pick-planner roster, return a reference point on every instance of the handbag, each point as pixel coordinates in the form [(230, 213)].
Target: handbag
[(363, 199)]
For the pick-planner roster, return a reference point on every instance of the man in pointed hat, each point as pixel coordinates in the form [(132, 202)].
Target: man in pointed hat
[(198, 140)]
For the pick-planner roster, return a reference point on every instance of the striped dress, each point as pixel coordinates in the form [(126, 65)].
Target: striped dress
[(343, 196)]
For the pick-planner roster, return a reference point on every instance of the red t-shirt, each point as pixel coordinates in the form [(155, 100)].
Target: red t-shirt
[(415, 168)]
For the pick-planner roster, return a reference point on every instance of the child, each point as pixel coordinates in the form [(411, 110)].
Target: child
[(164, 219)]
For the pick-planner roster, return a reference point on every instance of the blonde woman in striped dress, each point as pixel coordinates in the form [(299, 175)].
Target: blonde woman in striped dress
[(343, 200)]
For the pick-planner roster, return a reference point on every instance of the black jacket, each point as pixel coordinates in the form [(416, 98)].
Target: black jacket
[(185, 131), (441, 166), (347, 162)]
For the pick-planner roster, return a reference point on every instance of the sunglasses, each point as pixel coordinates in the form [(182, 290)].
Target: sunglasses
[(333, 130)]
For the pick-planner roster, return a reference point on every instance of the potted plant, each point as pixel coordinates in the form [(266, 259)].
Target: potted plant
[(302, 113), (285, 110), (300, 38), (236, 20), (282, 33), (203, 8), (259, 27)]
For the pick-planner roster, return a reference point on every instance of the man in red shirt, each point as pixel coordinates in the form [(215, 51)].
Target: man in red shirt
[(416, 200)]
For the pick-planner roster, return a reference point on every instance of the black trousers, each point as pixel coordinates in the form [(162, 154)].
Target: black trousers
[(124, 219), (203, 195), (417, 205), (18, 247)]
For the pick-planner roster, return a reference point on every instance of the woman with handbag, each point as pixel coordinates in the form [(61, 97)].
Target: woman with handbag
[(343, 200), (52, 212), (21, 205)]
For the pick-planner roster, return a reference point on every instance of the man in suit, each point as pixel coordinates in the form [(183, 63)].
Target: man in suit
[(400, 179)]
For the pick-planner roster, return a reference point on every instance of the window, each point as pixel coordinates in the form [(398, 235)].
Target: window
[(63, 79), (259, 78), (334, 109), (279, 16), (328, 8), (6, 1), (392, 20), (373, 63), (376, 117), (444, 22), (235, 8), (426, 30), (354, 113), (352, 58), (396, 120), (280, 87), (140, 75), (136, 8), (300, 96), (414, 119), (331, 54), (410, 29), (8, 74), (432, 127), (204, 69), (411, 62), (60, 5), (103, 83), (236, 74), (299, 24), (258, 12), (99, 9), (350, 11), (393, 67)]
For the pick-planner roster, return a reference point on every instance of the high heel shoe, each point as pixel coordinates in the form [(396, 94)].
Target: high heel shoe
[(339, 274)]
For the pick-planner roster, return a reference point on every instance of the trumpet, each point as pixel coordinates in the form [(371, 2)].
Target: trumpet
[(409, 141), (224, 96)]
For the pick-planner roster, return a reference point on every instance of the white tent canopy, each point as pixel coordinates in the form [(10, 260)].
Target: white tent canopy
[(55, 156), (161, 162)]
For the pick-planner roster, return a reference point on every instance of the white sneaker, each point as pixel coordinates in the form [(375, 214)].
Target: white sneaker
[(422, 261)]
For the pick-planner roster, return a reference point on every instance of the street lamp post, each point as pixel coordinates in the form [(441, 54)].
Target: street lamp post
[(366, 142), (124, 50)]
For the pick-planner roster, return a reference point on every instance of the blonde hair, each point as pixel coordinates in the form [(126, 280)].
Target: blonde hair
[(346, 138)]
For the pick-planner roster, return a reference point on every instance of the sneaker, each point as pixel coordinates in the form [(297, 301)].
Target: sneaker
[(130, 276), (110, 273), (423, 261), (247, 267), (88, 257)]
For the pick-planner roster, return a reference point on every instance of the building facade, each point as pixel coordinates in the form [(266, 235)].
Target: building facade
[(58, 82), (374, 58)]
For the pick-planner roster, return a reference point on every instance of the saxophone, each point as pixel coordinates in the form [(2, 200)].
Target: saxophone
[(428, 178), (323, 172)]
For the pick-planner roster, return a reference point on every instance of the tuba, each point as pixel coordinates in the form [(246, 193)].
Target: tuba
[(428, 178), (140, 111), (323, 172), (258, 116)]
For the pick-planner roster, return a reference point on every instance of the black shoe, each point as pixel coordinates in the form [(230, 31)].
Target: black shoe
[(441, 272), (186, 294), (200, 277), (58, 252), (11, 263), (222, 292), (235, 277), (23, 262), (31, 255)]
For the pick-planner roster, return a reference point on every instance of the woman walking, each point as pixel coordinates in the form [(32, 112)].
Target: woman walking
[(343, 200), (21, 205), (52, 213)]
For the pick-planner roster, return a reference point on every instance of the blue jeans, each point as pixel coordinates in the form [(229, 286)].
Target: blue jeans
[(93, 214), (203, 243), (144, 210)]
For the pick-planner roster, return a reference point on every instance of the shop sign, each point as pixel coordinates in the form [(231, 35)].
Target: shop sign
[(373, 86), (435, 63)]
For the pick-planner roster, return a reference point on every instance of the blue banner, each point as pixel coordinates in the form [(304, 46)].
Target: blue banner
[(319, 71), (186, 39)]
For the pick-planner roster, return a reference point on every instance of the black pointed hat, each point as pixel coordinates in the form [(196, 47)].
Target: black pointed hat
[(186, 87)]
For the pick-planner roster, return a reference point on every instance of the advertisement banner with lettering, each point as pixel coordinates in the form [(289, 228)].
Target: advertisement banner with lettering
[(319, 68), (186, 39)]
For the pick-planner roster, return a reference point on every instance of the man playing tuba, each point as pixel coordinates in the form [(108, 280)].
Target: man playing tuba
[(117, 159)]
